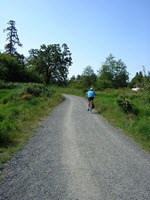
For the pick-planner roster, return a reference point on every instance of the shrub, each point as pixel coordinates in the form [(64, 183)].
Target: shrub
[(48, 92), (30, 89), (126, 105), (8, 85), (36, 90)]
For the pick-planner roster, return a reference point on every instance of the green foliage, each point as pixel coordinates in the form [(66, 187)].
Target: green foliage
[(76, 82), (6, 98), (7, 126), (126, 105), (114, 72), (102, 84), (8, 101), (147, 86), (34, 101), (10, 69), (142, 80), (88, 78), (1, 117), (18, 117), (14, 112), (32, 75), (35, 90), (134, 119), (144, 129), (137, 81), (52, 62), (9, 85), (12, 38)]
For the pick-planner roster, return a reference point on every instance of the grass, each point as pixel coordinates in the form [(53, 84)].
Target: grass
[(19, 118), (136, 126), (67, 90)]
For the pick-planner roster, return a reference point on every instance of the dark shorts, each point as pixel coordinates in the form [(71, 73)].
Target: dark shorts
[(90, 98)]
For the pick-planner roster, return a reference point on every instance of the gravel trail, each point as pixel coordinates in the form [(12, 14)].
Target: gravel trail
[(77, 155)]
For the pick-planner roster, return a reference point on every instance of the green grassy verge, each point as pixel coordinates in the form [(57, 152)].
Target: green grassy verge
[(134, 125), (20, 113)]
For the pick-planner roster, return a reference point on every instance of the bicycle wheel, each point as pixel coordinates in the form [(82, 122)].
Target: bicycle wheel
[(90, 107)]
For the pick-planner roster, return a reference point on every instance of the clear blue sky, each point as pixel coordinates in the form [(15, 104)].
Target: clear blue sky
[(92, 29)]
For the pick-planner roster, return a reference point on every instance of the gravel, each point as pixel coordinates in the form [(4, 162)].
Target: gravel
[(77, 155)]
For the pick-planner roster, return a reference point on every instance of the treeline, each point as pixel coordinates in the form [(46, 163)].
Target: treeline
[(112, 74), (50, 65)]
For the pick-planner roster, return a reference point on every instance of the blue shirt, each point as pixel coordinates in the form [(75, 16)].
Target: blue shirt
[(90, 93)]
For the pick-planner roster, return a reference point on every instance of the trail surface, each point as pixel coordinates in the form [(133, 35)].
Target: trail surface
[(77, 155)]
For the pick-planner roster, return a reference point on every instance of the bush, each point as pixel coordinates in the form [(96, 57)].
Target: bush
[(31, 89), (10, 85), (103, 84), (36, 90), (126, 105)]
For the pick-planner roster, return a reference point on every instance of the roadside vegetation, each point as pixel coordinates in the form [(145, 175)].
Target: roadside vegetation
[(127, 110), (22, 107)]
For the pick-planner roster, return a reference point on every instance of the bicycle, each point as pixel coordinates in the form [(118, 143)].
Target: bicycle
[(91, 106)]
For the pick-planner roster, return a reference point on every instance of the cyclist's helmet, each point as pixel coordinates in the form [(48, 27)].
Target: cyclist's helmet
[(91, 88)]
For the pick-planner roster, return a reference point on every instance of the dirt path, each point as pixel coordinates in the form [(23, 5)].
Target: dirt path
[(77, 155)]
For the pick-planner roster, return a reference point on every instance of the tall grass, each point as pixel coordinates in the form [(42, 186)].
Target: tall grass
[(69, 90), (135, 124)]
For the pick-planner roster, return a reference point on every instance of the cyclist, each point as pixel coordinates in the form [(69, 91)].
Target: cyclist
[(90, 95)]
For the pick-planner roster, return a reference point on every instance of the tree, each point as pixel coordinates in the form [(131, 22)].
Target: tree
[(102, 84), (10, 69), (141, 79), (52, 62), (88, 77), (72, 79), (138, 80), (113, 73), (78, 77), (105, 73), (12, 38), (120, 75)]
